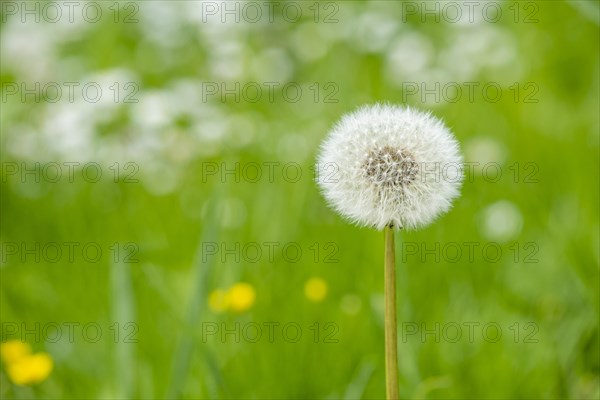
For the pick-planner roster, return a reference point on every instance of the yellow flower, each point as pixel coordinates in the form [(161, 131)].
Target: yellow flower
[(240, 297), (217, 300), (30, 369), (13, 350), (315, 289)]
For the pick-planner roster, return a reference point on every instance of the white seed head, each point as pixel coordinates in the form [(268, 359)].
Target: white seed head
[(386, 165)]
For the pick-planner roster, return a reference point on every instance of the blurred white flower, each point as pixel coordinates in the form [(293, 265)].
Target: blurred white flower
[(409, 58), (271, 65), (482, 150), (309, 43), (502, 221), (351, 304), (390, 165), (374, 30)]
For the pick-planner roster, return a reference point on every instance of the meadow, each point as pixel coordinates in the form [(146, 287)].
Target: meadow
[(162, 233)]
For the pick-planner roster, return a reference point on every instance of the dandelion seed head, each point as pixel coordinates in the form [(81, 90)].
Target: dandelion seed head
[(385, 165)]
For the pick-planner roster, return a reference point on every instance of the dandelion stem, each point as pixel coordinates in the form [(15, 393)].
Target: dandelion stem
[(391, 336)]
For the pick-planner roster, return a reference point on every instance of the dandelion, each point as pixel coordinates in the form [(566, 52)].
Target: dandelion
[(13, 350), (240, 297), (315, 289), (23, 367), (30, 369), (390, 167), (387, 165)]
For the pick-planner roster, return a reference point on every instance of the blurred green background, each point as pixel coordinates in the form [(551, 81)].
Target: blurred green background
[(158, 132)]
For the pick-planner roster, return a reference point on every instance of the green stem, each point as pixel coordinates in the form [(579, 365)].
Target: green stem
[(391, 334), (123, 315)]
